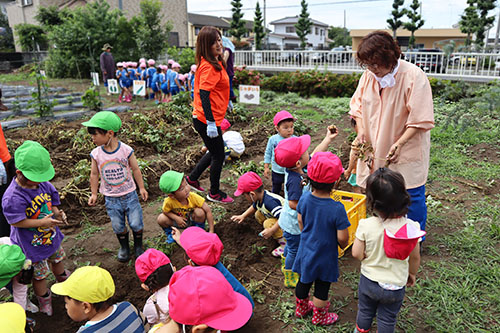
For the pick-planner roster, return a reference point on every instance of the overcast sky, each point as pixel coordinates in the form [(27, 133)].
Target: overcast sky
[(360, 14)]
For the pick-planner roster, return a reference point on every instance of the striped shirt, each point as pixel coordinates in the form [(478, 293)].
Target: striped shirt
[(270, 206), (124, 318)]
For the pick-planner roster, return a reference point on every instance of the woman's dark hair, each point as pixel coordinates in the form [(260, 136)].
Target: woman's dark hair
[(378, 48), (324, 187), (206, 38), (159, 278), (95, 130), (386, 194)]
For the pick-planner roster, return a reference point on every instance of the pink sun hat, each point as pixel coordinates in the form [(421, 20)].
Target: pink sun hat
[(142, 60), (120, 64), (400, 244), (282, 115), (202, 295), (289, 150), (176, 65), (143, 65), (325, 167), (202, 247), (249, 181), (148, 262), (151, 62), (225, 124), (193, 68), (171, 61)]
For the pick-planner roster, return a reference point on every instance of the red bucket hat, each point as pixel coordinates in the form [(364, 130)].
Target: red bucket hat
[(148, 262), (400, 244), (202, 247), (325, 167), (289, 151), (202, 295), (249, 181)]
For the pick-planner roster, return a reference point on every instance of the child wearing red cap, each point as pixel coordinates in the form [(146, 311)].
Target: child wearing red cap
[(283, 123), (154, 269), (387, 245), (205, 249), (292, 154), (324, 223), (265, 205)]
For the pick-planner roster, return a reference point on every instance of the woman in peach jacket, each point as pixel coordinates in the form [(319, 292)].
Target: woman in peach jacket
[(394, 112)]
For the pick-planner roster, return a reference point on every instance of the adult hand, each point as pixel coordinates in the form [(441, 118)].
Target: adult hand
[(237, 218), (93, 200), (394, 152), (212, 129), (347, 174)]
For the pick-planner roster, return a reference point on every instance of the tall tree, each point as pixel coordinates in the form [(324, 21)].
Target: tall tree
[(238, 28), (303, 26), (485, 21), (469, 21), (152, 35), (6, 36), (416, 21), (394, 21), (258, 27), (339, 36)]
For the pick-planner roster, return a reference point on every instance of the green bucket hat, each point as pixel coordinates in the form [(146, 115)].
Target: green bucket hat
[(11, 262), (105, 120), (34, 162), (170, 181)]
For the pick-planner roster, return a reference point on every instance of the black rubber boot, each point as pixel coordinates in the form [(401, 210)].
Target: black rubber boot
[(138, 243), (124, 252)]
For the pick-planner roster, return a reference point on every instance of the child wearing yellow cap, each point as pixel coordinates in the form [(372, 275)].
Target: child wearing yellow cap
[(87, 294), (115, 163), (30, 206)]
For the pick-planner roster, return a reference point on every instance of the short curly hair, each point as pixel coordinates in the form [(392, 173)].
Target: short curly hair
[(378, 48)]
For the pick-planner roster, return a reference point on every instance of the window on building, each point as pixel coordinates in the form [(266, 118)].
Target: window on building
[(197, 30), (322, 32), (290, 29), (26, 2), (316, 30)]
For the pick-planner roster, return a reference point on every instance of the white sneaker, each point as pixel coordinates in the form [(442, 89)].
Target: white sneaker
[(31, 307)]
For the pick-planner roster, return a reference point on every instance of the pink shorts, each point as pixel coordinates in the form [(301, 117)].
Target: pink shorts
[(41, 269)]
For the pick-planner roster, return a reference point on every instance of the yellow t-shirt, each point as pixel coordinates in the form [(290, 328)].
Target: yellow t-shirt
[(377, 266), (173, 205)]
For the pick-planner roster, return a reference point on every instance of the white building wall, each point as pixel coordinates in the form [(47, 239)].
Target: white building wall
[(314, 39)]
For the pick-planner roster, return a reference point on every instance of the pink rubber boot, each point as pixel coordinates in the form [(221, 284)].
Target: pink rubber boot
[(321, 316)]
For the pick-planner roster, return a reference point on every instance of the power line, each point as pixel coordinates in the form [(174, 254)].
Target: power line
[(295, 6)]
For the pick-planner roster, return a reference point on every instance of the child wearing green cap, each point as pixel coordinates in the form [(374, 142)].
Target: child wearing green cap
[(115, 163), (182, 208), (30, 206)]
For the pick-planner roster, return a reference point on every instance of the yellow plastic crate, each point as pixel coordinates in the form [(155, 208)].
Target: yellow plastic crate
[(355, 206)]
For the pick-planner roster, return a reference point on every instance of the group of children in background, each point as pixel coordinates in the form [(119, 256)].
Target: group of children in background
[(162, 81), (307, 225)]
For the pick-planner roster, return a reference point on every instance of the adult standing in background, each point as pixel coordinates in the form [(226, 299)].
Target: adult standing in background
[(107, 63), (394, 111), (211, 98), (229, 59)]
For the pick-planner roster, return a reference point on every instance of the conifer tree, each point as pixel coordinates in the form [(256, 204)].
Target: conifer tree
[(303, 26), (258, 27), (416, 21), (238, 29), (395, 20)]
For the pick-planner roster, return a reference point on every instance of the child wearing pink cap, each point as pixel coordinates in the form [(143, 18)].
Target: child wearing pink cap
[(205, 249), (191, 76), (265, 205), (174, 79), (202, 298), (150, 72), (292, 154), (324, 223), (387, 245), (154, 269), (283, 123)]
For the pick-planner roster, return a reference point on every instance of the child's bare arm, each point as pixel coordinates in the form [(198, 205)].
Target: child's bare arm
[(47, 222), (266, 170), (323, 146), (266, 233), (414, 265), (293, 204), (210, 217), (240, 218), (358, 249), (94, 183), (343, 237), (136, 171), (299, 218)]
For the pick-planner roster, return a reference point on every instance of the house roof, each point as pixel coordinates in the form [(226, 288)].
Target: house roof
[(248, 24), (295, 19), (450, 33), (202, 20)]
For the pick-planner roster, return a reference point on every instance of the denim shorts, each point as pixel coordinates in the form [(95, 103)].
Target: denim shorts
[(125, 206)]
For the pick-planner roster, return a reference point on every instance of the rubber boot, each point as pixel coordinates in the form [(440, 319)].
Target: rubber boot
[(321, 316), (45, 303), (291, 278), (124, 252), (283, 258), (303, 307), (138, 250)]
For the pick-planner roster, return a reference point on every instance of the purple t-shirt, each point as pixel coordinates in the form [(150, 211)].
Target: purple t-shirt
[(21, 203)]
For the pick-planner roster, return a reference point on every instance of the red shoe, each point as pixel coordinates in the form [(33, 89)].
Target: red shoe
[(195, 185), (303, 307), (321, 316), (220, 197)]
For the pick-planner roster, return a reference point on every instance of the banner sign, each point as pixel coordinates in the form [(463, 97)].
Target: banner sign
[(139, 88), (249, 94)]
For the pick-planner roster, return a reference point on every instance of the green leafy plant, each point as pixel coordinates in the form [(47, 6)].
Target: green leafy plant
[(91, 99), (41, 101), (184, 56), (258, 249), (81, 172), (255, 290)]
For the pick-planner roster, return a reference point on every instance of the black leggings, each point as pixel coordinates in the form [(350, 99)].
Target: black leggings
[(214, 157), (321, 289)]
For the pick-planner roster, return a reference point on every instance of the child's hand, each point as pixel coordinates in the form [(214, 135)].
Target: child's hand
[(182, 222), (330, 134), (266, 171), (412, 278), (266, 233), (49, 222), (63, 217), (93, 200), (144, 194), (347, 174), (176, 235), (237, 218)]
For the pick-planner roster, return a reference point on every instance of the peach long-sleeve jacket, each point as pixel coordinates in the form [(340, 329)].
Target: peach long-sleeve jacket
[(387, 113)]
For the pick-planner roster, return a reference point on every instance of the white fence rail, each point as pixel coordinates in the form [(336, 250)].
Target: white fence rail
[(462, 66)]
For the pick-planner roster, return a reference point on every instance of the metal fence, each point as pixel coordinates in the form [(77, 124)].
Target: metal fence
[(457, 66)]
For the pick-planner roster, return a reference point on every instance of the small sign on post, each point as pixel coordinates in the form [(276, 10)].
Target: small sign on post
[(95, 78), (113, 86), (250, 94), (42, 73), (139, 88)]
